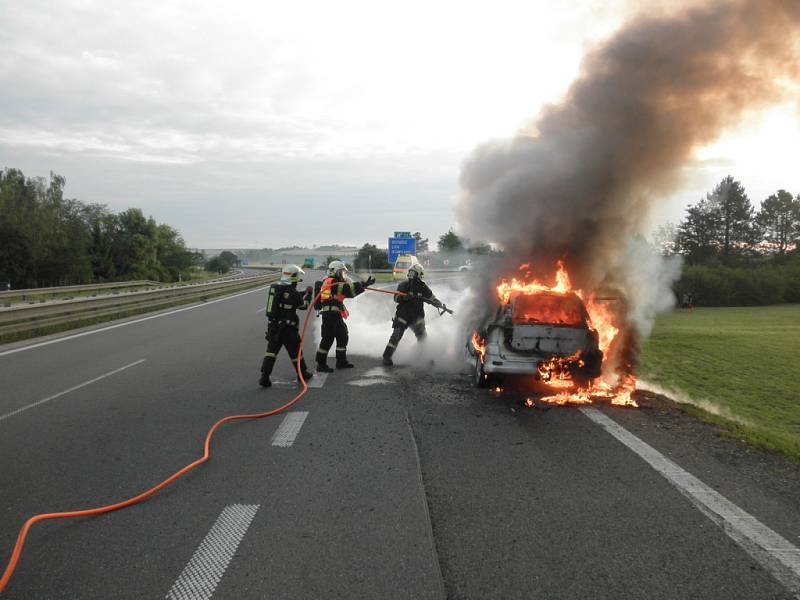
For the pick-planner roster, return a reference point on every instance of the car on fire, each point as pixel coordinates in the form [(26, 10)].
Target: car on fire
[(546, 335)]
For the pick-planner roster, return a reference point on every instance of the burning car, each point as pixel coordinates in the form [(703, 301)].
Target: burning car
[(546, 334), (554, 336)]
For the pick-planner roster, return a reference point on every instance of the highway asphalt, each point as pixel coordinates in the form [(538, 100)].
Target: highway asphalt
[(381, 483)]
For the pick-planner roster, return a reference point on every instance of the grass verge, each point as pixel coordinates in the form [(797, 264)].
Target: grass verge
[(737, 367), (89, 320)]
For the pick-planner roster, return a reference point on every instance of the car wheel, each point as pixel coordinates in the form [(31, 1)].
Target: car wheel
[(481, 379)]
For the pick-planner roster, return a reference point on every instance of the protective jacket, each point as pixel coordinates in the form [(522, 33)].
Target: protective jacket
[(283, 301), (411, 307), (332, 298)]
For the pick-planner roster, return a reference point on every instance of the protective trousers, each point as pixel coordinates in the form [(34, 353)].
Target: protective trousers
[(333, 327), (399, 328), (286, 336)]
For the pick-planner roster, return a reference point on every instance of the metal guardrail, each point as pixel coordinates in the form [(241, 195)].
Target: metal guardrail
[(31, 318), (76, 288), (61, 289)]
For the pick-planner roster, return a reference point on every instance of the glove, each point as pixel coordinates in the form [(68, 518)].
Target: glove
[(436, 303), (370, 280), (309, 290)]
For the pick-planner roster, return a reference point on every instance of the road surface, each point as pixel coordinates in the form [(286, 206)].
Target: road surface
[(381, 483)]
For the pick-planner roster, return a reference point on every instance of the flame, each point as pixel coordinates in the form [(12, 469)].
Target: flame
[(479, 345), (561, 286), (556, 371), (602, 321)]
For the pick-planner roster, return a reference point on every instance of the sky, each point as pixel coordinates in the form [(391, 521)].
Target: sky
[(264, 124)]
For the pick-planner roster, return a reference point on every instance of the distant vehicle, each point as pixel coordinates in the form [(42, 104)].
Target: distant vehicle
[(464, 268), (546, 335), (4, 286), (402, 264), (309, 262)]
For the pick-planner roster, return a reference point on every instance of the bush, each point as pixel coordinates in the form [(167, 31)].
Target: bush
[(757, 285)]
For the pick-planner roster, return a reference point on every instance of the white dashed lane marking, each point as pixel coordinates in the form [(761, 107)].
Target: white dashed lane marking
[(775, 553), (208, 564), (289, 428), (72, 389), (318, 380)]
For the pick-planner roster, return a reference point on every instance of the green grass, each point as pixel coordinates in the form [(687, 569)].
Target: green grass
[(739, 366)]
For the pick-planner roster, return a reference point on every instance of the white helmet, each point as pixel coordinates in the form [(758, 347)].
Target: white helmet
[(291, 274), (415, 271), (335, 267)]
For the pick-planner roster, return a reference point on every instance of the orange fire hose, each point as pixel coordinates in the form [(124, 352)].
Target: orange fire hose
[(23, 534)]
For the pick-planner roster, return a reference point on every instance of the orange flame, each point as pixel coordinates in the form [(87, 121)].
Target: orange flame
[(479, 345), (562, 285), (555, 372)]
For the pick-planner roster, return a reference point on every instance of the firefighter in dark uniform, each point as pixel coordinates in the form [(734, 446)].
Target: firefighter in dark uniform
[(331, 305), (283, 300), (410, 310)]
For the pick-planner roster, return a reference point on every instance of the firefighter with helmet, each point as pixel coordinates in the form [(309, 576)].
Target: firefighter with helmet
[(333, 291), (414, 293), (283, 301)]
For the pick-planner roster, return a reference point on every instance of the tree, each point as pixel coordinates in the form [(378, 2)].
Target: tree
[(230, 258), (698, 233), (735, 213), (371, 257), (422, 243), (171, 252), (15, 256), (67, 241), (217, 265), (450, 242), (779, 219)]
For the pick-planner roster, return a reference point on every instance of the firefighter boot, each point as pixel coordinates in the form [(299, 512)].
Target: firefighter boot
[(387, 356), (341, 359), (322, 362), (266, 370), (304, 370)]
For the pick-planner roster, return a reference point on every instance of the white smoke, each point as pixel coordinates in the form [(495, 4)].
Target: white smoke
[(370, 325)]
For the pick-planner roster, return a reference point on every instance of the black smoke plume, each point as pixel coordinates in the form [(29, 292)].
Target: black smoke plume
[(579, 183)]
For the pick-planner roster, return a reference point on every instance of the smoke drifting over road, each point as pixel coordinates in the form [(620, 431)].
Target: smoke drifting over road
[(579, 188)]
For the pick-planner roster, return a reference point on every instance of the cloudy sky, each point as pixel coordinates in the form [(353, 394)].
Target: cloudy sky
[(260, 123)]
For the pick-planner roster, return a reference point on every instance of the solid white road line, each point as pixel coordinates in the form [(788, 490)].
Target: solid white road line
[(318, 380), (72, 389), (93, 331), (204, 571), (289, 428), (775, 553)]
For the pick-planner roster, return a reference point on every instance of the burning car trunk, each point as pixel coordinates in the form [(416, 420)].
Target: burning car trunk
[(549, 336)]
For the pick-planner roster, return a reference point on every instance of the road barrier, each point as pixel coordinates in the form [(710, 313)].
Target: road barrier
[(28, 321), (87, 287)]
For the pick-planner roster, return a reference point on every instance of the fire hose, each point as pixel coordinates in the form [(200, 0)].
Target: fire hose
[(23, 533)]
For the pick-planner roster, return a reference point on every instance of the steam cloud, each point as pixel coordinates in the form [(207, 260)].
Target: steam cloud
[(579, 188)]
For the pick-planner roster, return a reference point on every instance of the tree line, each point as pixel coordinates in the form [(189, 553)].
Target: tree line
[(735, 254), (48, 239)]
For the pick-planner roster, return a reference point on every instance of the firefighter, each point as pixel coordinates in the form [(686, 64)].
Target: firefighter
[(334, 313), (283, 300), (410, 309)]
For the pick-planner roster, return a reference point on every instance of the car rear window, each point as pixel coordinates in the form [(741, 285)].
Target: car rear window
[(551, 309)]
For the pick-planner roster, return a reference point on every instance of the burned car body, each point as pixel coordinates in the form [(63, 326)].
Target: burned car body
[(546, 335)]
